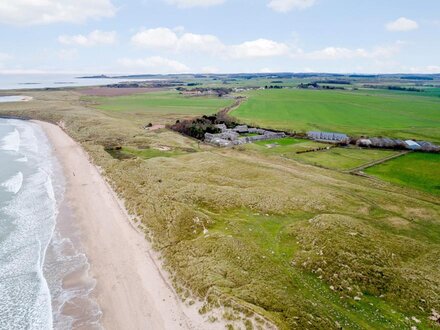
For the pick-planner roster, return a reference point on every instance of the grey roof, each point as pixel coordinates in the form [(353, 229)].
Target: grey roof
[(329, 136)]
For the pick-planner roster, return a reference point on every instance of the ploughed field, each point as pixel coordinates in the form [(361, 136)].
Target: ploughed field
[(351, 112), (251, 229)]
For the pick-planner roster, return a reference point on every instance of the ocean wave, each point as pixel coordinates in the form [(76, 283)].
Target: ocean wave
[(11, 142), (14, 184), (29, 220), (22, 159)]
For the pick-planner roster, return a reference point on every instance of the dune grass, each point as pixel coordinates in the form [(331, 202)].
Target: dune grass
[(416, 170), (300, 246), (128, 152), (350, 112)]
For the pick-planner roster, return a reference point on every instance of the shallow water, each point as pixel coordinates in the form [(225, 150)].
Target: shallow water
[(35, 256), (12, 98), (32, 81)]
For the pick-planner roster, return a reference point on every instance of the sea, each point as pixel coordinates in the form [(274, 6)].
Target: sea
[(44, 281), (34, 81)]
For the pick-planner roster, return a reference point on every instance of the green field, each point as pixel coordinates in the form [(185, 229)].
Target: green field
[(162, 103), (417, 170), (343, 158), (353, 113), (333, 158), (284, 147)]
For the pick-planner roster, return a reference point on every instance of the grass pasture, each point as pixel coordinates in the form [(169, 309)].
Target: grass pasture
[(350, 112), (332, 158), (343, 158), (285, 147), (163, 107), (416, 170)]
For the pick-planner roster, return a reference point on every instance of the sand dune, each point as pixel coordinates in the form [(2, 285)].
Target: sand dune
[(131, 289)]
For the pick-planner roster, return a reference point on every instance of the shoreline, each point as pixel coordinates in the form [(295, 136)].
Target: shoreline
[(131, 289)]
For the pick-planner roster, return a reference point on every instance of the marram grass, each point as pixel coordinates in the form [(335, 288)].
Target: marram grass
[(296, 245)]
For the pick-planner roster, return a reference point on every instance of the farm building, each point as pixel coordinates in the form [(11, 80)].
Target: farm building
[(428, 146), (329, 137), (230, 137), (364, 143), (410, 144), (383, 142)]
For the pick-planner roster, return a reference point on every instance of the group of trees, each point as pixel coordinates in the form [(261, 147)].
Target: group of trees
[(273, 87), (315, 85), (197, 127), (219, 91), (395, 88)]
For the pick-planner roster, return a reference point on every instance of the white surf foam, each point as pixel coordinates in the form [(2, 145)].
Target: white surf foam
[(11, 142), (22, 159), (14, 184)]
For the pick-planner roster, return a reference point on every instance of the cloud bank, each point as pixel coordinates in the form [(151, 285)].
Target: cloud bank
[(33, 12)]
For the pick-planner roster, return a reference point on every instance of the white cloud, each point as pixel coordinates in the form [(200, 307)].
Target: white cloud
[(200, 42), (195, 3), (284, 6), (402, 24), (96, 37), (162, 38), (259, 48), (154, 64), (30, 12), (165, 38), (425, 69), (342, 53)]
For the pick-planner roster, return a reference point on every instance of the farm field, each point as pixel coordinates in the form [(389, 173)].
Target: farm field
[(284, 147), (343, 158), (161, 105), (353, 113), (416, 170), (332, 158)]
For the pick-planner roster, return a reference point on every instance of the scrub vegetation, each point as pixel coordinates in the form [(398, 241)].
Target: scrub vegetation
[(279, 241)]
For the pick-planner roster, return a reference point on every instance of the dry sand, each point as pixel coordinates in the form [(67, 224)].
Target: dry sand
[(132, 290)]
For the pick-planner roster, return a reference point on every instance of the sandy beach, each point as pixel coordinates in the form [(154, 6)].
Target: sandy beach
[(132, 291)]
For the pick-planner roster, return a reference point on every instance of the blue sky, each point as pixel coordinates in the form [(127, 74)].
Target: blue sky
[(172, 36)]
